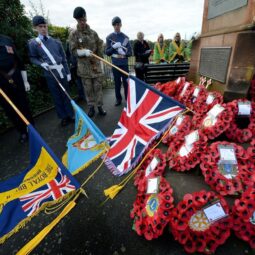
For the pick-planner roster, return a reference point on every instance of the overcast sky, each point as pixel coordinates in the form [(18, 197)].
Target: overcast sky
[(149, 16)]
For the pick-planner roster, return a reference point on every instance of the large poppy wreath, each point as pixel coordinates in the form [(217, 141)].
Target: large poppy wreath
[(151, 212), (211, 126), (147, 170), (183, 157), (241, 135), (225, 179), (191, 228)]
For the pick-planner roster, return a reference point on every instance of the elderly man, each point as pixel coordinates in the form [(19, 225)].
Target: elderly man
[(84, 41), (48, 53), (176, 49), (13, 81), (119, 48)]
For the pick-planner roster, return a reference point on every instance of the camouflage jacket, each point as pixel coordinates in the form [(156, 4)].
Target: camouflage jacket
[(87, 67)]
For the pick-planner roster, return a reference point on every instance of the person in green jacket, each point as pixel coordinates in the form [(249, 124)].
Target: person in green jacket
[(187, 50), (160, 53), (176, 50)]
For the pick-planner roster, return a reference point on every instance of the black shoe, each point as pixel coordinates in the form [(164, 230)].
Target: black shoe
[(23, 138), (117, 103), (70, 120), (91, 112), (64, 122), (101, 110)]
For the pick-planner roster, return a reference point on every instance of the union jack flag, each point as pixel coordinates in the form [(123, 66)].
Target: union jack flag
[(147, 115), (53, 190)]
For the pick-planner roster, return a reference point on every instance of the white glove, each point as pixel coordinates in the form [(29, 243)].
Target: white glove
[(147, 51), (24, 77), (116, 45), (45, 66), (84, 53), (121, 52), (68, 77)]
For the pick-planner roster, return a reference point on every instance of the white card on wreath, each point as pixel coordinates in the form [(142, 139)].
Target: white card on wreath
[(196, 92), (216, 110), (184, 88), (227, 154), (244, 108), (151, 166), (192, 137), (153, 185), (179, 120), (214, 212), (210, 99)]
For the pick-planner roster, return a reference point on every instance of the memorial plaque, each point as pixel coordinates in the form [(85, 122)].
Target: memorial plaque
[(214, 63), (219, 7)]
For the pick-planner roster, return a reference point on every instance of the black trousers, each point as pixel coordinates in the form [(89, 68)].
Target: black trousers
[(16, 92), (118, 77)]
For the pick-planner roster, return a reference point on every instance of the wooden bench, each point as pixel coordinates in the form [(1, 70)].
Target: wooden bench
[(164, 72)]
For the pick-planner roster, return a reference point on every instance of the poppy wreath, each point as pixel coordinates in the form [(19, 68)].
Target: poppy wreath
[(184, 92), (203, 105), (213, 130), (168, 88), (191, 228), (178, 130), (217, 177), (151, 212), (140, 179), (199, 95), (184, 163), (241, 135), (244, 217)]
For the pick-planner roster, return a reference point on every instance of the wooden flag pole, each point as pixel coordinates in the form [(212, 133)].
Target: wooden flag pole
[(14, 107)]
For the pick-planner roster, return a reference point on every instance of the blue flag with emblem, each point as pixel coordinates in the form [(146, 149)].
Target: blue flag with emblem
[(86, 145), (46, 181)]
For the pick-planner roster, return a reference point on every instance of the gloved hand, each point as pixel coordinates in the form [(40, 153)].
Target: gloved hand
[(147, 51), (83, 53), (121, 52), (116, 45), (69, 77), (45, 66), (26, 83)]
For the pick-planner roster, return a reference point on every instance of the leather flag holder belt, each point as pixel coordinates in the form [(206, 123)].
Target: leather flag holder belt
[(8, 76)]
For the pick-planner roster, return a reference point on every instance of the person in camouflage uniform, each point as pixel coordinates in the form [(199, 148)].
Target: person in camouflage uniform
[(83, 42)]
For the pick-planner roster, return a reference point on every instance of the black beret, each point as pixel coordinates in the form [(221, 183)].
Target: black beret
[(116, 20), (37, 20), (79, 12)]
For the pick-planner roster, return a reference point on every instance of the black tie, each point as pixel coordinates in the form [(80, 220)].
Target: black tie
[(45, 38)]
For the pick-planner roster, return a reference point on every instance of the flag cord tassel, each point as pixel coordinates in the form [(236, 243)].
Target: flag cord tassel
[(111, 192)]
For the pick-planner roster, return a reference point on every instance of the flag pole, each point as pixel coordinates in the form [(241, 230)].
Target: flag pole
[(14, 107), (110, 64), (59, 83)]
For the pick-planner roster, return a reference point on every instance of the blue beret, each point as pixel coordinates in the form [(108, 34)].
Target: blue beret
[(79, 12), (37, 20), (116, 20)]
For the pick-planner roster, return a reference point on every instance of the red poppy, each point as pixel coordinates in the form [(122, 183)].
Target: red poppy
[(151, 212), (226, 181), (191, 228)]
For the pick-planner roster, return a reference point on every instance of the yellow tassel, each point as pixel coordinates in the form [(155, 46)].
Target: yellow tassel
[(113, 191), (39, 237)]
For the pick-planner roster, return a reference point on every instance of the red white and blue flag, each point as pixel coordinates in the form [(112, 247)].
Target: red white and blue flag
[(147, 115)]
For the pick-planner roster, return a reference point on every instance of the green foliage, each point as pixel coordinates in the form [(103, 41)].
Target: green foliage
[(15, 24)]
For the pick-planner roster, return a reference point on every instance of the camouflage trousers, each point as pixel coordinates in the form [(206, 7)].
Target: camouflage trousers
[(93, 90)]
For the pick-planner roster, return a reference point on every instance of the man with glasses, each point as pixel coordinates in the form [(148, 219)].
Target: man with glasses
[(119, 48), (83, 42), (176, 50)]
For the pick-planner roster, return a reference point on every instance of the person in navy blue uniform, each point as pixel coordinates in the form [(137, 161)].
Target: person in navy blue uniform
[(119, 48), (13, 81), (48, 53)]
